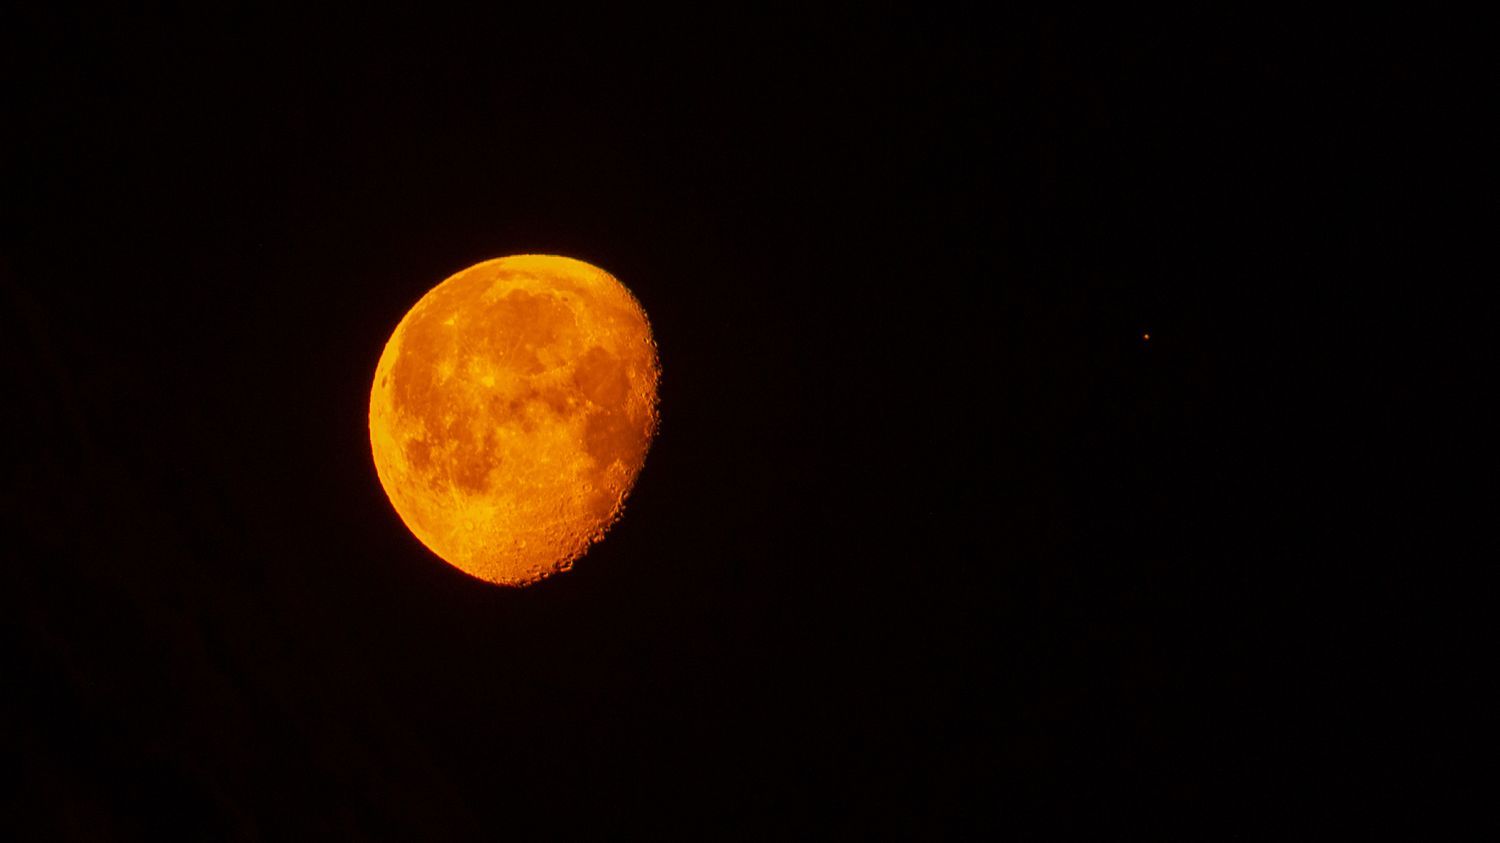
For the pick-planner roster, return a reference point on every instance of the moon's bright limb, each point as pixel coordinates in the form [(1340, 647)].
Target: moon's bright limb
[(511, 412)]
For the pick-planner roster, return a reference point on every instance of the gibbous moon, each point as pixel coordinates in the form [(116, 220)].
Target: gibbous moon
[(511, 413)]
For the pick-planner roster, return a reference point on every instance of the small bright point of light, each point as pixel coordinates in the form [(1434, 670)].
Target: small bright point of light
[(1145, 336)]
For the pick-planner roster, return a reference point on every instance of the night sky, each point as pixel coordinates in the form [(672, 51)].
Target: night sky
[(931, 538)]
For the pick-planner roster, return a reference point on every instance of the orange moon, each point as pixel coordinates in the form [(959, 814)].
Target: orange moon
[(511, 414)]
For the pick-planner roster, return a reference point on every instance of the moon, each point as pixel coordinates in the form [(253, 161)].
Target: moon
[(511, 413)]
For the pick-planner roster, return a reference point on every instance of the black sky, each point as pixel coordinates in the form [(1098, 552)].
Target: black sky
[(930, 538)]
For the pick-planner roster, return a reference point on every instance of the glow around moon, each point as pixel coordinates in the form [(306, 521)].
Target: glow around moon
[(511, 413)]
